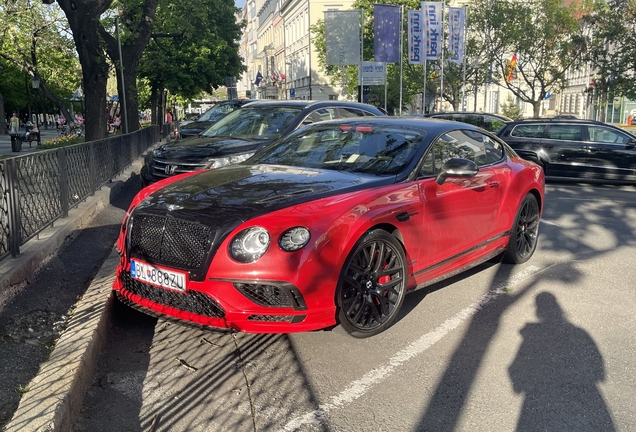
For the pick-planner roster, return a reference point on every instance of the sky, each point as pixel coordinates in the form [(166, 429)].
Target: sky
[(240, 3)]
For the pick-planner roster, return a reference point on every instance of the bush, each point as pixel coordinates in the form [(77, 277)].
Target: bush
[(511, 109)]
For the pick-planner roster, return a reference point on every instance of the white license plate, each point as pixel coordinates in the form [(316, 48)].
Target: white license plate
[(156, 276)]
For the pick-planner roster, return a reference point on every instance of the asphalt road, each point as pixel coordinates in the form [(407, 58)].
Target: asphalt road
[(547, 345)]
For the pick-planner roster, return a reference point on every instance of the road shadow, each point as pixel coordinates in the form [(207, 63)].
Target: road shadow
[(582, 227), (168, 376), (557, 368)]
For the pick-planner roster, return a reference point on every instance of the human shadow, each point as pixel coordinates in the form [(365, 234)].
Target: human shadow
[(557, 368)]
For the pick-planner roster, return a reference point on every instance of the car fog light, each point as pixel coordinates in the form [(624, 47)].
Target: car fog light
[(250, 244), (294, 239)]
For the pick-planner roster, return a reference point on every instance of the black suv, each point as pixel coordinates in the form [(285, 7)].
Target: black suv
[(582, 149), (243, 132), (211, 116)]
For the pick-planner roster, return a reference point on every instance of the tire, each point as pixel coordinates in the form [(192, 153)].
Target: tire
[(372, 285), (524, 233)]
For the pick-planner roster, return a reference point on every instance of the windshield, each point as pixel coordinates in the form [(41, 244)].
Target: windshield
[(378, 150), (265, 122), (217, 112)]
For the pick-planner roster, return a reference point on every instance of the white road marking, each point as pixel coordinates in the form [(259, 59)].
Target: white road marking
[(359, 387), (547, 222)]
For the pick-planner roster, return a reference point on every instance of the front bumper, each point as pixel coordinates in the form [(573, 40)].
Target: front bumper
[(221, 305)]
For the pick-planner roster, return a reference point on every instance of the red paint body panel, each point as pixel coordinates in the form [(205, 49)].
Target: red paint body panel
[(452, 225)]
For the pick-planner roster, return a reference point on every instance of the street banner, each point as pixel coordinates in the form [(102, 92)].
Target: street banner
[(342, 37), (432, 28), (386, 33), (374, 73), (456, 23), (415, 33)]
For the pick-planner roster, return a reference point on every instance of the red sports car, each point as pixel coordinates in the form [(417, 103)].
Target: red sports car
[(333, 224)]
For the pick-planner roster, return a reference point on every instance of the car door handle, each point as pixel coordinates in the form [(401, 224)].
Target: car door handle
[(493, 184)]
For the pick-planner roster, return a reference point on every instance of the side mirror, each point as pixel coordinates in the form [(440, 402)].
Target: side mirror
[(631, 143), (457, 167)]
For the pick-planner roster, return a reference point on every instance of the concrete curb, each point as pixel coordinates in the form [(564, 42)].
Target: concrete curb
[(55, 395)]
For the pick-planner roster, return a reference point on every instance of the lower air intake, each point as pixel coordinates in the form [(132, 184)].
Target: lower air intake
[(191, 301)]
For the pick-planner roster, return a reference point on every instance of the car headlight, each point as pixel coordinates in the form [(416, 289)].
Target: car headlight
[(218, 162), (294, 239), (250, 244)]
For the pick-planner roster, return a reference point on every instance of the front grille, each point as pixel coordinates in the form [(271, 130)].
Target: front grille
[(190, 301), (169, 241), (277, 318), (165, 168), (282, 296)]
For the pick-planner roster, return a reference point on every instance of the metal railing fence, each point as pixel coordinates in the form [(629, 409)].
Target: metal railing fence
[(39, 188)]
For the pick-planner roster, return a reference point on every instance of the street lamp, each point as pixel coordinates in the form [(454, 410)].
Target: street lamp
[(35, 83)]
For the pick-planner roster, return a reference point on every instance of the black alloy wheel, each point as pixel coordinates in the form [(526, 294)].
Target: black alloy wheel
[(524, 233), (372, 285)]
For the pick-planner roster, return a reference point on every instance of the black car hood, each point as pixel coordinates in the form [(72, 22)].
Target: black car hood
[(197, 149), (225, 197), (196, 126)]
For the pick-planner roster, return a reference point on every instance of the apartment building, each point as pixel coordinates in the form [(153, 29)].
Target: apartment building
[(278, 44)]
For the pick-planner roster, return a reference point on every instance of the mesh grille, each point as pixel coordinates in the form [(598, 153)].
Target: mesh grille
[(170, 241), (192, 301), (265, 295)]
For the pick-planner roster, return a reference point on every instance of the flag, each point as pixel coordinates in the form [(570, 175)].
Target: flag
[(415, 33), (386, 33), (259, 78), (432, 28), (274, 77), (342, 37), (510, 70), (456, 21), (282, 76)]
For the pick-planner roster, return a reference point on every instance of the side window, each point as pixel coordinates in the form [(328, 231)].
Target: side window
[(601, 134), (565, 132), (494, 150), (321, 114), (349, 112), (493, 124), (428, 166), (464, 144), (528, 131)]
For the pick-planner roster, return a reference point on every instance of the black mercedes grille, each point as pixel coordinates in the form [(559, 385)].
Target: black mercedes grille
[(272, 295), (191, 301), (170, 241)]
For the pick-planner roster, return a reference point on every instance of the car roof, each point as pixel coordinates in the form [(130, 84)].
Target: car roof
[(559, 120), (309, 103), (499, 116), (431, 126)]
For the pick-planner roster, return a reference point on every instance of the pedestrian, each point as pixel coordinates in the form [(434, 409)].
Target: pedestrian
[(14, 124), (168, 116)]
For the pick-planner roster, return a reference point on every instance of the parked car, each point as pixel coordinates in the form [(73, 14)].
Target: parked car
[(581, 149), (241, 133), (333, 223), (490, 122), (211, 116)]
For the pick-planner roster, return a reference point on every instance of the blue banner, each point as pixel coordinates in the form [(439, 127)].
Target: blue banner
[(386, 33)]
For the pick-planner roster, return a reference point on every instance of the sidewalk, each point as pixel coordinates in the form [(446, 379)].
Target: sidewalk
[(5, 142), (55, 395)]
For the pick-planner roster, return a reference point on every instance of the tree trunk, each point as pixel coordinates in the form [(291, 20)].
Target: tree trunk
[(83, 17), (57, 102), (536, 109), (131, 54)]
